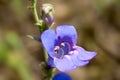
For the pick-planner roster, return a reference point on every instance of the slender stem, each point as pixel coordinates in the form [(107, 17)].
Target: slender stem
[(34, 3), (40, 26), (45, 55), (50, 76), (52, 73), (39, 22)]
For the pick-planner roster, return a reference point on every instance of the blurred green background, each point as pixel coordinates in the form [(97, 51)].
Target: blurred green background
[(98, 26)]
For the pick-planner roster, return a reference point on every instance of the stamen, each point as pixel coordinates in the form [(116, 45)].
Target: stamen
[(66, 47), (56, 49), (59, 53), (62, 49)]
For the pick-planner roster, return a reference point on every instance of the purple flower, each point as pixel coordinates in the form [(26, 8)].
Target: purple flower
[(63, 52), (62, 76)]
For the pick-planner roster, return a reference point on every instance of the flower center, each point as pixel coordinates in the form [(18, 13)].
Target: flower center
[(62, 49)]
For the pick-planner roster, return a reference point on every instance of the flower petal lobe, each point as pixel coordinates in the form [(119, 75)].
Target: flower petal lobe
[(75, 58), (49, 38), (64, 64), (66, 32), (85, 55)]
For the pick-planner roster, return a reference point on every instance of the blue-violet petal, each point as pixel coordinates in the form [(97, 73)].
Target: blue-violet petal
[(67, 31), (49, 38), (85, 55), (64, 64), (74, 56)]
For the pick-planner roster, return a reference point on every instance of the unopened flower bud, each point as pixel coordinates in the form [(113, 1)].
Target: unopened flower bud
[(47, 14)]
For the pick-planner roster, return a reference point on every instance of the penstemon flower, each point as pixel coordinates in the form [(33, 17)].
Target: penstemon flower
[(63, 52), (62, 76)]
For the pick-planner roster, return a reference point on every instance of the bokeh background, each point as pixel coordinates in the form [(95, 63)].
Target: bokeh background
[(98, 26)]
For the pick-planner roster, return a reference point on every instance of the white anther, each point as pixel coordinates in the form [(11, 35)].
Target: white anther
[(62, 44), (56, 48)]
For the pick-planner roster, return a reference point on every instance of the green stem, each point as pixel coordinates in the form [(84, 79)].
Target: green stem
[(50, 74), (34, 3), (39, 22), (40, 26), (52, 70), (45, 55)]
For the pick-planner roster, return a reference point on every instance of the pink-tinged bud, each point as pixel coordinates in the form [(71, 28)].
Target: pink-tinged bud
[(47, 14)]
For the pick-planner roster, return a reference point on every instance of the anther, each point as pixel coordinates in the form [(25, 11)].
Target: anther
[(56, 49), (62, 44)]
